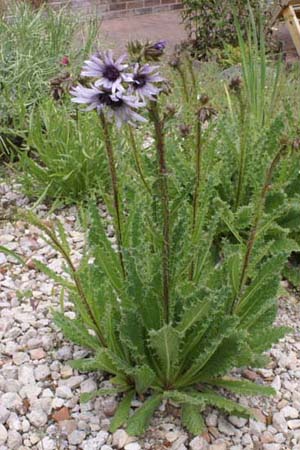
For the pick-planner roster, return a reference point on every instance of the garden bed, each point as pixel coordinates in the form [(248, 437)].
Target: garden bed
[(39, 400)]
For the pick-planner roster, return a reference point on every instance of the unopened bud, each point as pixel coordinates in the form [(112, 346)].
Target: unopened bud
[(184, 130), (175, 62), (206, 113), (204, 99), (296, 144), (235, 84)]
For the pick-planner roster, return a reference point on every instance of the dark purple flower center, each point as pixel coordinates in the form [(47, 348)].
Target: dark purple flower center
[(105, 99), (111, 73), (139, 80), (160, 45)]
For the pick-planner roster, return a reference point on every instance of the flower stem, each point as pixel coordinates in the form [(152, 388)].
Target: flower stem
[(198, 162), (137, 160), (163, 182), (114, 184), (242, 152), (255, 227)]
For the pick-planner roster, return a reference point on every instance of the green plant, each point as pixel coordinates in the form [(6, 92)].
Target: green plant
[(32, 44), (64, 160), (211, 25), (172, 309)]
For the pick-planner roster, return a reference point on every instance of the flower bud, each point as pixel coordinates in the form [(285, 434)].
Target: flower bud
[(64, 61), (204, 99), (184, 129), (235, 84), (206, 113), (296, 144), (153, 52), (175, 62)]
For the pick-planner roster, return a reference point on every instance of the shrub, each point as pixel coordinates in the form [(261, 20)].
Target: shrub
[(211, 25), (172, 309)]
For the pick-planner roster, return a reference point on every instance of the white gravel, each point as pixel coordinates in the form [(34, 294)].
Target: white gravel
[(39, 392)]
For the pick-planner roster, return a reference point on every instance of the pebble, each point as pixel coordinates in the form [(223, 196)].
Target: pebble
[(119, 438), (132, 446), (37, 417), (14, 440), (225, 427), (3, 434), (64, 392), (4, 414), (198, 443), (76, 437), (10, 400), (47, 444), (279, 422)]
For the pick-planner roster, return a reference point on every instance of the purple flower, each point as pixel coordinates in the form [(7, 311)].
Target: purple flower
[(116, 106), (110, 72), (160, 45), (143, 81)]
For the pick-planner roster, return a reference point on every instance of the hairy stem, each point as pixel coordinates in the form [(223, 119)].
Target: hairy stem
[(164, 193), (242, 152), (184, 83), (114, 184), (137, 160), (198, 162), (255, 227)]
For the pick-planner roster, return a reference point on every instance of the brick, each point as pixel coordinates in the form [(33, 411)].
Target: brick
[(117, 6)]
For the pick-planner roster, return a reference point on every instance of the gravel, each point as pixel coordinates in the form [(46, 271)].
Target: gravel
[(39, 393)]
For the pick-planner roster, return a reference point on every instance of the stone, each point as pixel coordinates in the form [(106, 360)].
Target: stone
[(13, 422), (31, 392), (20, 358), (290, 412), (276, 383), (41, 372), (104, 447), (198, 443), (225, 427), (47, 444), (72, 382), (132, 446), (12, 386), (76, 437), (65, 353), (293, 424), (37, 353), (96, 443), (212, 420), (119, 438), (109, 406), (171, 436), (11, 400), (14, 440), (4, 414), (37, 417), (256, 428), (67, 426), (3, 434), (26, 374), (61, 415), (179, 443), (238, 422), (218, 445), (279, 422), (88, 385), (64, 392), (271, 447)]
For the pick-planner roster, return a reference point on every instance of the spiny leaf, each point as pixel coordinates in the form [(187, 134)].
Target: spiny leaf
[(229, 406), (122, 413), (243, 387), (12, 253), (192, 419), (195, 312), (143, 377), (139, 421), (53, 275), (85, 364), (165, 342), (87, 396), (75, 330)]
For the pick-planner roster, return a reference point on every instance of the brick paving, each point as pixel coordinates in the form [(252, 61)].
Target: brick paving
[(155, 27)]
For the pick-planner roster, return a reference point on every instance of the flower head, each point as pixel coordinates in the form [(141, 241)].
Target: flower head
[(109, 72), (153, 52), (143, 81), (117, 106)]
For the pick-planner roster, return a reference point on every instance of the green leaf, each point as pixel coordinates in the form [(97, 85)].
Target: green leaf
[(192, 419), (54, 276), (139, 421), (143, 377), (243, 387), (122, 413), (75, 330), (190, 397), (87, 396), (229, 406), (85, 364), (165, 342), (15, 255), (195, 312)]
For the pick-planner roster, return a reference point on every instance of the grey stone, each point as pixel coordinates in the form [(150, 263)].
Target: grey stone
[(238, 422), (225, 427), (37, 417), (3, 434), (14, 440), (279, 422), (290, 412), (42, 372), (64, 392), (47, 444), (76, 437), (4, 414), (88, 386), (11, 400), (119, 438), (96, 443), (132, 446), (26, 374), (198, 443), (72, 382)]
